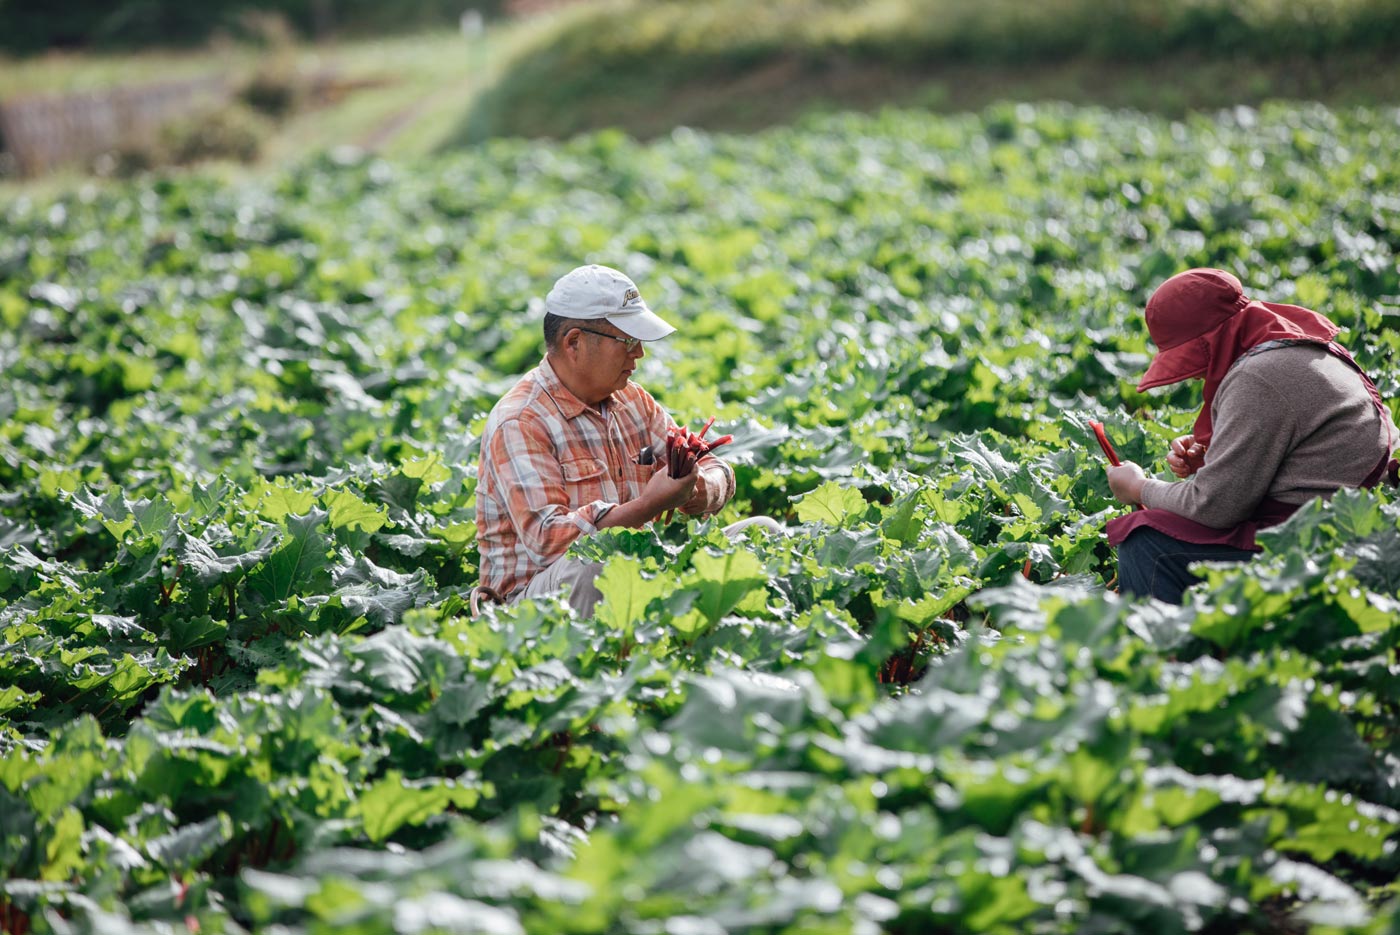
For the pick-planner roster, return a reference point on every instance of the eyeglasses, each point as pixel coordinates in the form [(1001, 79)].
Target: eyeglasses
[(629, 343)]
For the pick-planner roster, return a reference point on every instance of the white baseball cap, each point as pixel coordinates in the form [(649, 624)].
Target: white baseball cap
[(593, 292)]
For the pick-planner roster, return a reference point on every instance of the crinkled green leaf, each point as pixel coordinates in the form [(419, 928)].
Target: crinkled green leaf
[(831, 504), (298, 564)]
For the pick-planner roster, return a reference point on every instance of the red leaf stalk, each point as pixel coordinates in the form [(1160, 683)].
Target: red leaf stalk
[(1104, 443), (684, 447)]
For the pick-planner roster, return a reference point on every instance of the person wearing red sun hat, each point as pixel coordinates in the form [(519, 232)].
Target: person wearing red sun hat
[(1287, 416)]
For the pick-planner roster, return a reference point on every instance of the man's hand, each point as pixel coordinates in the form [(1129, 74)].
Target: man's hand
[(1187, 456), (664, 492), (661, 493), (1126, 482)]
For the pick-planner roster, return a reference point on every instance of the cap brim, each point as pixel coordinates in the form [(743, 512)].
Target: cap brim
[(643, 323), (1182, 362)]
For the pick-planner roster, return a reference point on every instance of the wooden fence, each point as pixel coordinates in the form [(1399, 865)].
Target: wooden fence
[(40, 132)]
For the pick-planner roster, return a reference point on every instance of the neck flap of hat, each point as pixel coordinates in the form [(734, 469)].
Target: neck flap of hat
[(1202, 322)]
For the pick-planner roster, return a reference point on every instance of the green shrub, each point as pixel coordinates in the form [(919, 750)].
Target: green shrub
[(275, 93), (235, 132)]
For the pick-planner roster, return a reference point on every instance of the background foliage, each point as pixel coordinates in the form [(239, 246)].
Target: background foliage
[(646, 66), (241, 691), (29, 27)]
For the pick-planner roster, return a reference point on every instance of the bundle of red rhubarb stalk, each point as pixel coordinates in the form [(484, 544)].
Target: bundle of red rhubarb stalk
[(684, 447)]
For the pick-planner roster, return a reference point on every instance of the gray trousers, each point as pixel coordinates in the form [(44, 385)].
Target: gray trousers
[(578, 576)]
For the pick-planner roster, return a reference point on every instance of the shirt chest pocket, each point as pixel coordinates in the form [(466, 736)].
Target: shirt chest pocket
[(586, 480), (635, 476)]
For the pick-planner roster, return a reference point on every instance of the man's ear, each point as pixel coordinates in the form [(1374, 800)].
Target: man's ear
[(569, 343)]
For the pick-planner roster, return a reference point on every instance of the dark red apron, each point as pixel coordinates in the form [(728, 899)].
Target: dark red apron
[(1269, 512)]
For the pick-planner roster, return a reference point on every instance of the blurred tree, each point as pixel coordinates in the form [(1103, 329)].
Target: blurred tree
[(29, 26)]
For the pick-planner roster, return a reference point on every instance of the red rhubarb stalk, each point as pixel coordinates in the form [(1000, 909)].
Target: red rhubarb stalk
[(1104, 443), (1107, 447), (684, 447)]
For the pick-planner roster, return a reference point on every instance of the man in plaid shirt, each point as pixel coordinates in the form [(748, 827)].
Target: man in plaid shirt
[(559, 455)]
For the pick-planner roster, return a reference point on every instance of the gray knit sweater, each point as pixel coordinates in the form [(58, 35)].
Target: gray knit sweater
[(1291, 423)]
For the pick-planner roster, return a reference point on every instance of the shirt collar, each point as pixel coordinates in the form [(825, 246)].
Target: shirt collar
[(569, 405)]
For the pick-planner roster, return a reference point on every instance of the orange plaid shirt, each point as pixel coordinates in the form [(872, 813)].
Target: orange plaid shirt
[(552, 467)]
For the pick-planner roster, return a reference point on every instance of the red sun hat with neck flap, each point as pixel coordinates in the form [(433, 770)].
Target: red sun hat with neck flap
[(1202, 322)]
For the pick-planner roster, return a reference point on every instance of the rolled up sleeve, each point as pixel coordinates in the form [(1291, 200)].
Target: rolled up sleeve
[(714, 487)]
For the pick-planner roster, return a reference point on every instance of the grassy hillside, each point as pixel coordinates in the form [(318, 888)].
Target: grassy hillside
[(400, 97), (729, 64), (724, 64)]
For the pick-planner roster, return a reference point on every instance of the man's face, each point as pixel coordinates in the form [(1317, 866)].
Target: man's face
[(606, 363)]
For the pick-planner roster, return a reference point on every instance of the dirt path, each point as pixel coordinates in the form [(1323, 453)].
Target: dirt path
[(382, 134)]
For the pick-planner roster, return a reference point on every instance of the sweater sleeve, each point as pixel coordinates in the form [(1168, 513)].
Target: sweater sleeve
[(1254, 431)]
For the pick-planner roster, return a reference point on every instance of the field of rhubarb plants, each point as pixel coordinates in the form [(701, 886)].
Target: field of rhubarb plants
[(241, 690)]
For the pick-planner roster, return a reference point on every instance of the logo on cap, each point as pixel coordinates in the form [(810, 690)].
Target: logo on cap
[(629, 295)]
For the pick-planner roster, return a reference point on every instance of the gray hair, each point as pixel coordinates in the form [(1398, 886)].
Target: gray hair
[(555, 327)]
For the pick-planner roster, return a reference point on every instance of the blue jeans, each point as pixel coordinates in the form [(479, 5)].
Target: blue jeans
[(1153, 564)]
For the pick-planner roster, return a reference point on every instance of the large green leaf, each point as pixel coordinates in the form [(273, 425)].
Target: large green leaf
[(724, 580), (299, 563), (831, 504), (627, 591), (393, 802), (208, 568)]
